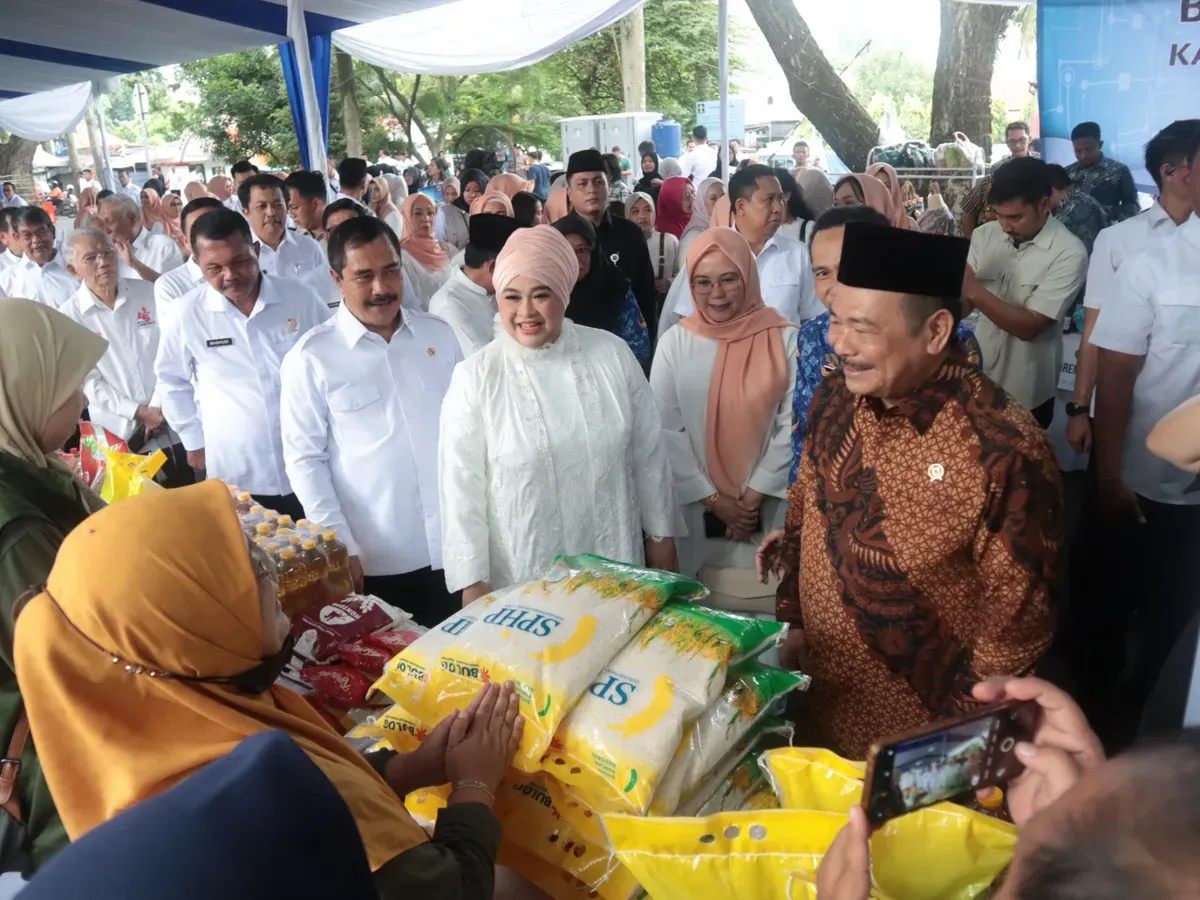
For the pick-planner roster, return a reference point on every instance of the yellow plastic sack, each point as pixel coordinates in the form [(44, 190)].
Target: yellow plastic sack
[(945, 852), (550, 880), (551, 637), (614, 746), (765, 855), (530, 822), (128, 474)]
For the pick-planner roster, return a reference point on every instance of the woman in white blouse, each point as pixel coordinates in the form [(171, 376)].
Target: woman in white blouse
[(724, 381), (663, 247), (451, 218), (550, 441), (426, 260)]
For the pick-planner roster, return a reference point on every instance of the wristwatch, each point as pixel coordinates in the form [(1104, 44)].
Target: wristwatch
[(1075, 409)]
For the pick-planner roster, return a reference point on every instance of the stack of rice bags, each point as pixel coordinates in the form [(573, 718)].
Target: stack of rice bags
[(634, 698), (945, 852)]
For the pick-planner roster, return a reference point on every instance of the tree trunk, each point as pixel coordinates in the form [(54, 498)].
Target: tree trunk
[(95, 144), (631, 35), (348, 88), (73, 159), (962, 81), (16, 165), (816, 88)]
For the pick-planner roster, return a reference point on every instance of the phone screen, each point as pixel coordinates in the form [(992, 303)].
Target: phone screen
[(931, 769)]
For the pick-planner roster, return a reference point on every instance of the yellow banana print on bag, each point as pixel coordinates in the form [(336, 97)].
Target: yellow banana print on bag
[(551, 637), (614, 746)]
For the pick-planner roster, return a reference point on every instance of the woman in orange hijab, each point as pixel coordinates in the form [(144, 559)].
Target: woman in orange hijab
[(509, 184), (891, 181), (557, 206), (723, 381), (171, 213), (492, 202), (169, 661), (864, 190), (426, 260), (152, 216)]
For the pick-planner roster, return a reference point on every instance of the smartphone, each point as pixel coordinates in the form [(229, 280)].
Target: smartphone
[(945, 759)]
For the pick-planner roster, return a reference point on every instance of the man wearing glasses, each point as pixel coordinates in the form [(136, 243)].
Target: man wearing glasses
[(1016, 136), (976, 210)]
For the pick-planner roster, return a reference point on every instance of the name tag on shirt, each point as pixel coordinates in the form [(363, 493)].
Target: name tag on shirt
[(219, 342)]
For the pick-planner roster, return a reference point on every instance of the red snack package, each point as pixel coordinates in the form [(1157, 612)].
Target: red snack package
[(367, 659), (391, 642), (346, 621), (340, 686)]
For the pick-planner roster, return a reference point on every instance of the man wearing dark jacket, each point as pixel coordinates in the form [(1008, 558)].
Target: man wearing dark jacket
[(620, 240)]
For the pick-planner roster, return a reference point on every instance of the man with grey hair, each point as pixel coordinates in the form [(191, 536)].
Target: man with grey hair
[(142, 254), (121, 389), (40, 274)]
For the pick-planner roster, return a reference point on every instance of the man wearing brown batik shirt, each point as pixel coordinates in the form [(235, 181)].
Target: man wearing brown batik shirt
[(924, 533)]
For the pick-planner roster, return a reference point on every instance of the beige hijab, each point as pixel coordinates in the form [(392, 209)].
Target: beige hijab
[(44, 358)]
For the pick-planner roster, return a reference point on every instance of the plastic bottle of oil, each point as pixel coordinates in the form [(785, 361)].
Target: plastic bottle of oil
[(285, 522), (318, 567), (293, 583), (252, 519), (271, 518), (338, 556), (312, 585), (262, 531), (244, 502)]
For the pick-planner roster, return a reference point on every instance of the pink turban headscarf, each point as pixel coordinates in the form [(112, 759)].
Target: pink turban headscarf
[(557, 206), (543, 254)]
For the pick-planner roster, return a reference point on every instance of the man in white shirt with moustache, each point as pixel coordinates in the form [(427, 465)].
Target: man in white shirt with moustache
[(219, 356), (1148, 363), (12, 199), (171, 286), (121, 389), (127, 187), (701, 162), (41, 274), (282, 251), (362, 395), (784, 266), (87, 179), (1166, 161), (143, 254), (467, 300)]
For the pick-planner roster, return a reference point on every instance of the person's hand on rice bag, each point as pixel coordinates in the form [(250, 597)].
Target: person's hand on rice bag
[(480, 751), (793, 652), (845, 872), (1064, 746), (426, 766)]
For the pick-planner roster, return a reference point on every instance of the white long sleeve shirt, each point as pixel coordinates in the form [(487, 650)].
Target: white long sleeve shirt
[(468, 309), (296, 256), (157, 251), (218, 374), (51, 285), (549, 451), (680, 380), (360, 433), (425, 281), (785, 277), (124, 377), (451, 226)]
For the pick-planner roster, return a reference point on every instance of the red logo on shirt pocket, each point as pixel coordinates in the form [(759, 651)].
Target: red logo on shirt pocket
[(143, 317)]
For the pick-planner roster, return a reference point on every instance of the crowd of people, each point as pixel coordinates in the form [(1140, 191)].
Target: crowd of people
[(785, 387)]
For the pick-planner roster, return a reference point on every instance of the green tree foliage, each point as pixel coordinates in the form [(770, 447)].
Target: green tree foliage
[(892, 82), (167, 119)]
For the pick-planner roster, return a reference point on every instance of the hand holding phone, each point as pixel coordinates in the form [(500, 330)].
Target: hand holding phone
[(926, 766)]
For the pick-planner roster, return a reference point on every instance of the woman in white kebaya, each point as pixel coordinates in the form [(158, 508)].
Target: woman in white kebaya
[(550, 439), (723, 381)]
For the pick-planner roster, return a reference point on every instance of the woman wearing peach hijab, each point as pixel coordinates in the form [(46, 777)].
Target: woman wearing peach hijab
[(550, 439), (557, 205), (171, 211), (723, 381), (864, 190), (491, 201), (889, 179), (709, 191), (426, 260), (88, 206), (152, 211), (171, 660), (509, 184), (194, 190), (383, 203)]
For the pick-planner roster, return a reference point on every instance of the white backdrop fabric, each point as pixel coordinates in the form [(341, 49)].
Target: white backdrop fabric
[(44, 116), (506, 35)]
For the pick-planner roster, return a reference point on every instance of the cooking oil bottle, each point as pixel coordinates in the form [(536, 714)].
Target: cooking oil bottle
[(338, 558), (318, 567), (293, 583)]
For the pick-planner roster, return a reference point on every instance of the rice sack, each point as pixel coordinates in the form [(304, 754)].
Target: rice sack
[(750, 690), (614, 746), (551, 637), (814, 778)]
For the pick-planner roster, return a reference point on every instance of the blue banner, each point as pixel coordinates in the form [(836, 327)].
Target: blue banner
[(320, 49), (1133, 66)]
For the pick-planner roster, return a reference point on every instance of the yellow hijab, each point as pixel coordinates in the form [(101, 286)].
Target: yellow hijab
[(44, 358), (164, 581)]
